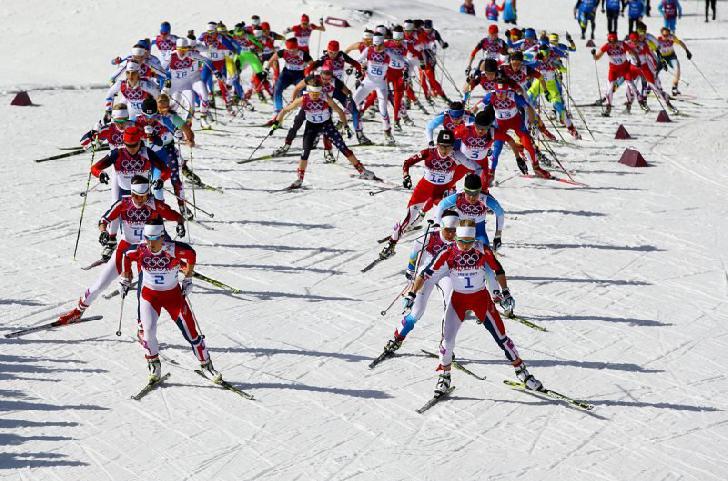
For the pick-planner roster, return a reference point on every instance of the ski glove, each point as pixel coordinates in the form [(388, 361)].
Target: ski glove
[(103, 237), (407, 181), (445, 45), (497, 243), (507, 303), (124, 285), (107, 117), (409, 275), (467, 71), (181, 230), (158, 184), (186, 286), (689, 54), (408, 301), (104, 178)]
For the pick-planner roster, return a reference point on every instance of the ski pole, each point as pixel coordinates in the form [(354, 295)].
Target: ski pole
[(599, 86), (706, 78), (261, 143), (209, 214), (83, 206), (430, 222), (553, 154), (84, 194), (581, 116), (194, 201), (407, 286), (121, 314)]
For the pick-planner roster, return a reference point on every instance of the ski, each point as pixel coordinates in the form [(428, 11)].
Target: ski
[(50, 325), (548, 393), (94, 264), (374, 145), (557, 179), (115, 292), (268, 157), (202, 185), (150, 387), (369, 266), (526, 322), (70, 153), (435, 399), (413, 229), (382, 357), (226, 385), (457, 365), (216, 283), (374, 179)]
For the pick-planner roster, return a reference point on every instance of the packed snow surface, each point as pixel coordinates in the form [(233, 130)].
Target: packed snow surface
[(628, 275)]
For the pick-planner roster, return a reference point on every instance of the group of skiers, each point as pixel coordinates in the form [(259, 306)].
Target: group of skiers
[(154, 99)]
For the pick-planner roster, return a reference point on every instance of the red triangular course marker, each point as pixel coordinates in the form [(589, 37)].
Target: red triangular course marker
[(663, 117), (22, 99), (590, 43), (622, 133), (633, 158)]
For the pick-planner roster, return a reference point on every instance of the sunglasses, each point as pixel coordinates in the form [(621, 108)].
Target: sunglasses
[(465, 241), (131, 146)]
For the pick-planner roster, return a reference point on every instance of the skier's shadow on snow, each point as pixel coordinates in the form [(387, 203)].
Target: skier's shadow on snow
[(579, 213), (269, 295), (275, 268), (548, 280), (267, 352), (272, 223), (357, 393), (627, 320), (640, 248), (23, 404), (600, 365)]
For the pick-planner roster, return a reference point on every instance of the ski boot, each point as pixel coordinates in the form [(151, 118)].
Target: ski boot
[(408, 121), (522, 166), (296, 184), (388, 250), (443, 384), (388, 138), (607, 111), (392, 345), (540, 172), (675, 91), (261, 97), (643, 105), (527, 378), (186, 212), (108, 249), (672, 108), (329, 157), (205, 122), (573, 132), (628, 106), (208, 369), (367, 174), (191, 176), (397, 126), (430, 101), (363, 139), (71, 316), (155, 370), (282, 150), (445, 99)]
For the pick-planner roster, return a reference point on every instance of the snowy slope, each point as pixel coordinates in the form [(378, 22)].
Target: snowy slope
[(628, 276)]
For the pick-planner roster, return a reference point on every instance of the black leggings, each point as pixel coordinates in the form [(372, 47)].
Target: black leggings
[(711, 4), (612, 20), (312, 133)]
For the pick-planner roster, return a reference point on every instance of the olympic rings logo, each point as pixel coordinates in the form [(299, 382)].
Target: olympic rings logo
[(376, 57), (476, 141), (503, 104), (472, 209), (156, 263), (442, 164), (467, 259), (134, 94), (316, 104), (132, 164), (138, 215)]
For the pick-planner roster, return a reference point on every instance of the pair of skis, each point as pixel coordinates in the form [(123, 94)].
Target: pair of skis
[(152, 385), (517, 385)]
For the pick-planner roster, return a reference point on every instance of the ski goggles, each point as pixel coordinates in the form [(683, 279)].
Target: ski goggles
[(456, 114), (153, 231)]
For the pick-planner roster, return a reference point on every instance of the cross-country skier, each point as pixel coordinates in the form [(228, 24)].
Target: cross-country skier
[(302, 32), (159, 263), (132, 211), (465, 264), (440, 164), (131, 91), (666, 46), (619, 68), (318, 121), (132, 159)]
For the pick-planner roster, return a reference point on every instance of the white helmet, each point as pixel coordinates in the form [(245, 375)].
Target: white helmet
[(132, 67), (138, 52)]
